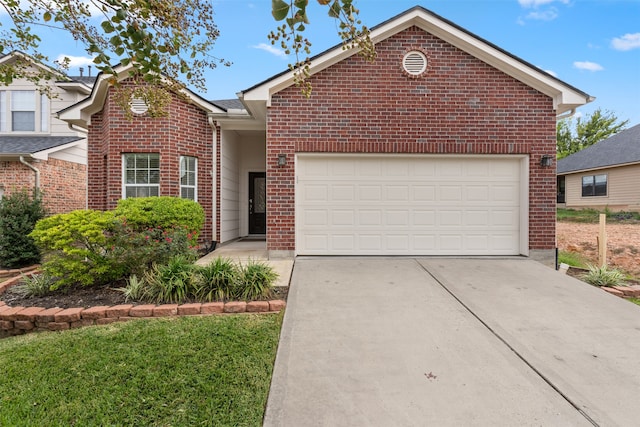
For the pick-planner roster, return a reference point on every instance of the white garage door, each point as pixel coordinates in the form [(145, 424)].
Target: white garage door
[(408, 205)]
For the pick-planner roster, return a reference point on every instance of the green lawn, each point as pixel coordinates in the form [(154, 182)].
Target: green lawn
[(593, 216), (190, 371)]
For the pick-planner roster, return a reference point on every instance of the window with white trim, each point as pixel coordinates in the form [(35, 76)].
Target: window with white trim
[(23, 111), (140, 175), (594, 185), (189, 177)]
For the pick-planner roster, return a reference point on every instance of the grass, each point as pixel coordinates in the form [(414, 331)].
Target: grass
[(191, 371), (634, 300), (593, 216), (573, 259)]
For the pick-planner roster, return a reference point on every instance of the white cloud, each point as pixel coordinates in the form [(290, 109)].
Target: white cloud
[(553, 73), (588, 66), (537, 3), (626, 42), (75, 61), (271, 49), (545, 15)]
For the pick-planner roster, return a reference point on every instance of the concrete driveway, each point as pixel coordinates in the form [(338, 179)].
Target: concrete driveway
[(450, 342)]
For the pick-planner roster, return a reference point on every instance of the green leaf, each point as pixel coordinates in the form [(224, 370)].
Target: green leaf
[(279, 9), (46, 16), (107, 26), (301, 4), (334, 10)]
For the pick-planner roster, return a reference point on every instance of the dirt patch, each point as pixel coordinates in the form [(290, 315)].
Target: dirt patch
[(623, 243)]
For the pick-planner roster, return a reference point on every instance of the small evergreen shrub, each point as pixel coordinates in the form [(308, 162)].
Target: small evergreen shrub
[(19, 213), (165, 213), (77, 246), (87, 247)]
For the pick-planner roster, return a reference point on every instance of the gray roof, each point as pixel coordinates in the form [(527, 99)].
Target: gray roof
[(14, 145), (88, 80), (619, 149), (228, 104)]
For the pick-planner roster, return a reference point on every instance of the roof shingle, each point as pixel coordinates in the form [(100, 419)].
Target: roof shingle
[(619, 149)]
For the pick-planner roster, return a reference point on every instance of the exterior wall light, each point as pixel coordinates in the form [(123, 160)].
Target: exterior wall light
[(546, 161), (282, 159)]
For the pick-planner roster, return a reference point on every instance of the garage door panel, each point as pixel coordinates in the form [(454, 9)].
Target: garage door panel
[(369, 193), (343, 242), (401, 205), (397, 218)]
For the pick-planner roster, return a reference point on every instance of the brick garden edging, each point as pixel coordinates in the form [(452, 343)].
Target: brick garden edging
[(20, 320)]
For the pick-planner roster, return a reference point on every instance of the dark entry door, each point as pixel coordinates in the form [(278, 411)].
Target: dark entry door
[(257, 203)]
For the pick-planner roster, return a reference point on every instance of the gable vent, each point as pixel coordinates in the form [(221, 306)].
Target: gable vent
[(414, 63), (138, 106)]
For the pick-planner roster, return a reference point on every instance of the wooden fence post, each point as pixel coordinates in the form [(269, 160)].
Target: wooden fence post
[(602, 241)]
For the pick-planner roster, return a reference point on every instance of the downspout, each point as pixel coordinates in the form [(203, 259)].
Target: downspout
[(214, 198), (36, 172)]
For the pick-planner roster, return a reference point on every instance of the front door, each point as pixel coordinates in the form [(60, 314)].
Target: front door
[(257, 203)]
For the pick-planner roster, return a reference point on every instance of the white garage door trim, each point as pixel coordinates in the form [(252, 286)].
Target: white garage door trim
[(312, 214)]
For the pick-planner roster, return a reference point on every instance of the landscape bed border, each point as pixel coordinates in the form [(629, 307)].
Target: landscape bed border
[(20, 320)]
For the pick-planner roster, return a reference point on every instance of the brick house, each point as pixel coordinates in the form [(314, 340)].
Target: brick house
[(443, 146), (36, 148)]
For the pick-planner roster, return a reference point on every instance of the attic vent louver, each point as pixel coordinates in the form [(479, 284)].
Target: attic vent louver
[(414, 63), (138, 106)]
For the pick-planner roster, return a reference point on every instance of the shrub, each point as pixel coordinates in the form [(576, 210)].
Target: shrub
[(36, 285), (218, 281), (19, 213), (604, 276), (136, 289), (136, 251), (173, 282), (163, 213), (88, 247), (256, 280), (77, 246)]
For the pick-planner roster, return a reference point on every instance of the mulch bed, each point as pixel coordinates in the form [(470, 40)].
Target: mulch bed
[(88, 297)]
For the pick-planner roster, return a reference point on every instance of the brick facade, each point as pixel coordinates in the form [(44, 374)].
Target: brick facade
[(184, 131), (63, 184), (460, 105)]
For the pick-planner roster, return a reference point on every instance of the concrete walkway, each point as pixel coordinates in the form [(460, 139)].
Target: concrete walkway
[(444, 342)]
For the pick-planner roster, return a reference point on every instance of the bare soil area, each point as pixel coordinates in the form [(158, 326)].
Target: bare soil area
[(623, 243)]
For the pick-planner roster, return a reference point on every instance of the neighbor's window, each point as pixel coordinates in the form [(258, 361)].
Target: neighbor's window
[(594, 185), (141, 175), (188, 177), (23, 111)]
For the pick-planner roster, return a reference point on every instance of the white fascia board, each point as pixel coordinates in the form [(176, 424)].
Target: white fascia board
[(13, 55), (80, 113), (564, 97), (44, 154), (75, 86)]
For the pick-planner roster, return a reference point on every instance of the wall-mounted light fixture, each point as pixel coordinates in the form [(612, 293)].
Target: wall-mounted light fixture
[(546, 161), (282, 159)]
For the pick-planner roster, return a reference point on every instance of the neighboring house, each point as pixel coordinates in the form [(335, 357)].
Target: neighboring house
[(436, 148), (37, 150), (604, 175)]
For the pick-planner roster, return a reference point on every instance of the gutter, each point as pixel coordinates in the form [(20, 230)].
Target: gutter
[(35, 170)]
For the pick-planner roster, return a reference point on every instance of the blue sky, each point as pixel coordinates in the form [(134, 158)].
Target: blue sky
[(593, 45)]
